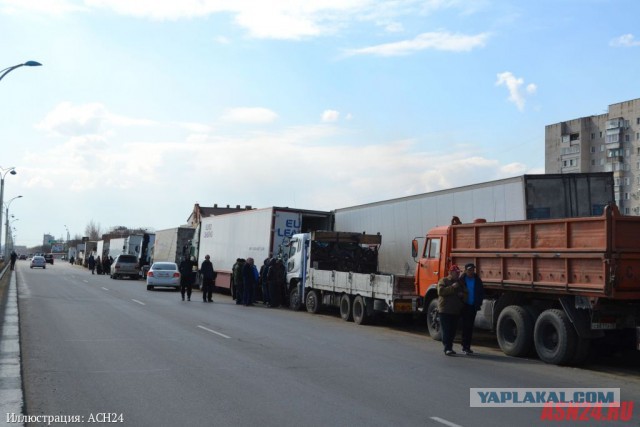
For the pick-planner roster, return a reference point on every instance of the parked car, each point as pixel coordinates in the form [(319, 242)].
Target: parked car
[(163, 274), (49, 258), (125, 265), (38, 261)]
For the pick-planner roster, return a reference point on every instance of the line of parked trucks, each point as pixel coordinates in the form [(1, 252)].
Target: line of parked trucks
[(561, 265)]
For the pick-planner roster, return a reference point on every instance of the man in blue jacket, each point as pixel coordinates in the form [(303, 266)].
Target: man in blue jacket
[(472, 303)]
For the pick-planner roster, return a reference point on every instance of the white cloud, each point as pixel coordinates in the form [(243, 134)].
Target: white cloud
[(249, 115), (273, 19), (514, 86), (222, 40), (439, 40), (330, 116), (626, 40), (67, 119), (48, 7)]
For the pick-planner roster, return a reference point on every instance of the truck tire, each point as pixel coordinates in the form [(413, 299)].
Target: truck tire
[(554, 337), (433, 321), (345, 308), (294, 300), (514, 331), (360, 314), (312, 302)]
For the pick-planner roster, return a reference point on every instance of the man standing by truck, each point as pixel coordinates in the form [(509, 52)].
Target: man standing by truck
[(451, 292), (250, 280), (472, 303), (208, 279)]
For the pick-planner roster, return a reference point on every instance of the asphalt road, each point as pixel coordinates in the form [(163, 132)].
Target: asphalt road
[(92, 345)]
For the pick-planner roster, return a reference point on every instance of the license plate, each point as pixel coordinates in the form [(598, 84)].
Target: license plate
[(402, 307)]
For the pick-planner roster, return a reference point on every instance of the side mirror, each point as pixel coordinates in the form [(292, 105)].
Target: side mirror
[(414, 248)]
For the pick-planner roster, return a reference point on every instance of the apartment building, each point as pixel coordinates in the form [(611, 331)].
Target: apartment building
[(607, 142)]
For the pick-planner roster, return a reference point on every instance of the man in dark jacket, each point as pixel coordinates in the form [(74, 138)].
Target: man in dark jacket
[(91, 262), (186, 277), (472, 303), (451, 293), (238, 282), (14, 257), (276, 277), (250, 279), (208, 279)]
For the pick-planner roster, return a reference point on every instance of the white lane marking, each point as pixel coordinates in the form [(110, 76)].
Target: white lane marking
[(139, 302), (85, 281), (214, 332), (105, 288), (445, 422)]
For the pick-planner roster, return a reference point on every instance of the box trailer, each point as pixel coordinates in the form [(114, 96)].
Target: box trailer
[(172, 244), (256, 233), (523, 197)]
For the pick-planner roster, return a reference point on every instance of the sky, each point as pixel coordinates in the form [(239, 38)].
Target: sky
[(144, 107)]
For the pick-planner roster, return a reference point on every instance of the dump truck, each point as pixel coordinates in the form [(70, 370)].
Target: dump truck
[(554, 286), (340, 269)]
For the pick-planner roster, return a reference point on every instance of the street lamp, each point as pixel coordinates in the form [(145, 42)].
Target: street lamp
[(6, 239), (10, 69), (3, 173)]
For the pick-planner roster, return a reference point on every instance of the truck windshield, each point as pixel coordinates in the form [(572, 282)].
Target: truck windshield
[(432, 248)]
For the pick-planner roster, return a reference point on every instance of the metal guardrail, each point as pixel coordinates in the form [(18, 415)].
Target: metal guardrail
[(4, 270)]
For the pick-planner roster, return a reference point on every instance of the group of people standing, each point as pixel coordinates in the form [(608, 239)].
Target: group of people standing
[(102, 266), (246, 280), (460, 296)]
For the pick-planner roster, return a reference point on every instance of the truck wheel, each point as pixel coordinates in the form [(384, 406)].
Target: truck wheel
[(433, 321), (345, 308), (294, 300), (515, 331), (313, 302), (554, 337), (360, 315)]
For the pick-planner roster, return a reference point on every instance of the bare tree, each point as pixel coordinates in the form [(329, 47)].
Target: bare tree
[(92, 230)]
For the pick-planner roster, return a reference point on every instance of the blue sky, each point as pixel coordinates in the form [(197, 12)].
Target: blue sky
[(144, 107)]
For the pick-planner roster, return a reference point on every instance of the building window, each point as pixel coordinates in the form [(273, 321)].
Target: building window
[(626, 211), (593, 135), (626, 138), (602, 149), (626, 196), (638, 121), (593, 149), (600, 134), (627, 152), (574, 136), (617, 182), (602, 163), (593, 162), (637, 136), (626, 181)]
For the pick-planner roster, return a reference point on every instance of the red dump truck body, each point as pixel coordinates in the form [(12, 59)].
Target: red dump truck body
[(591, 256)]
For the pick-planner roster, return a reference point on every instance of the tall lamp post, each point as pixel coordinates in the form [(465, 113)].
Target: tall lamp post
[(6, 240), (3, 173)]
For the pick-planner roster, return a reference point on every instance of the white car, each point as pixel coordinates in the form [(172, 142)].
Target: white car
[(38, 261), (163, 274)]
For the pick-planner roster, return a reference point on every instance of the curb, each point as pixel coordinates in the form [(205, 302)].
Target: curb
[(11, 396)]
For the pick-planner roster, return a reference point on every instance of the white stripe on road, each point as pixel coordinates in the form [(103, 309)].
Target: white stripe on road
[(85, 281), (445, 422), (139, 302), (213, 332), (105, 289)]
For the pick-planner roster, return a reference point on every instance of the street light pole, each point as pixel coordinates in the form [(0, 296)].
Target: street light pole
[(3, 173), (6, 240)]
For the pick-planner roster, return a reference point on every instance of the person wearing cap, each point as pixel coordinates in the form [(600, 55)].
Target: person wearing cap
[(451, 292), (472, 303)]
